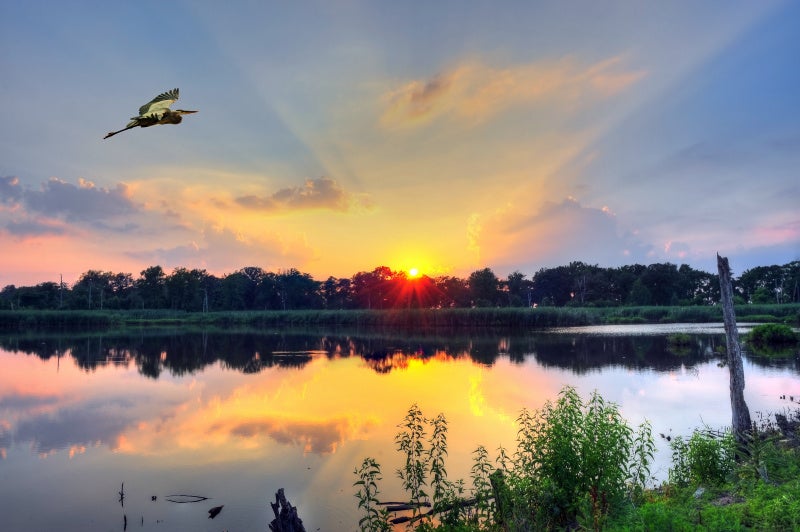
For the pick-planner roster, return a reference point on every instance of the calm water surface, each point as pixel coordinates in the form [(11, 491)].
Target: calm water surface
[(233, 417)]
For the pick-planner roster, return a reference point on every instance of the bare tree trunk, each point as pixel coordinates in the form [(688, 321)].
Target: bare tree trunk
[(741, 423)]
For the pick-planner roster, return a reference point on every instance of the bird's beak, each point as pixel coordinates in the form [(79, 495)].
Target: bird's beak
[(181, 111)]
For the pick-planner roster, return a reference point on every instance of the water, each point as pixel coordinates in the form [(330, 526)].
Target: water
[(233, 417)]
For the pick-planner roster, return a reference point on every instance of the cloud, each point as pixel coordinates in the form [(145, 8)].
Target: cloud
[(679, 250), (557, 234), (34, 227), (10, 190), (67, 428), (322, 193), (475, 92), (44, 211), (321, 437), (226, 250), (85, 202)]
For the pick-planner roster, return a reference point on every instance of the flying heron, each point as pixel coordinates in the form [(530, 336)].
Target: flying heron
[(156, 111)]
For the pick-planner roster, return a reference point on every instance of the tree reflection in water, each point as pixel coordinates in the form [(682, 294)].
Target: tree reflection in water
[(180, 352)]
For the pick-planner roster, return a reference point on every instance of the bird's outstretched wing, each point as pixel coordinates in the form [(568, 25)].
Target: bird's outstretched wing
[(159, 104)]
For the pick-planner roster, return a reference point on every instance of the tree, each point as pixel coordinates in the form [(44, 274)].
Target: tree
[(697, 287), (41, 296), (663, 282), (92, 290), (152, 288), (185, 289), (771, 284), (484, 287), (518, 290), (451, 292), (236, 292), (553, 286), (336, 293), (8, 297), (639, 294), (371, 289), (300, 290)]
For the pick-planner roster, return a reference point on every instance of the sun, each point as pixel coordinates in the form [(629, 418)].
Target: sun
[(413, 272)]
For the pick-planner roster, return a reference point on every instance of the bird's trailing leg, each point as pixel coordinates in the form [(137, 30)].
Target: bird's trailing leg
[(120, 131)]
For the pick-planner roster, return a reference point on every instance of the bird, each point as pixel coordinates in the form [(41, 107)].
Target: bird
[(155, 112), (212, 513)]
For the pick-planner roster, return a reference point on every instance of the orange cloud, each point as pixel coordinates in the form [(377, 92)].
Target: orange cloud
[(322, 193), (476, 92)]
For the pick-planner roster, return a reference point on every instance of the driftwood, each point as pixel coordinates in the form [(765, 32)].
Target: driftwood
[(286, 518), (741, 423), (400, 506)]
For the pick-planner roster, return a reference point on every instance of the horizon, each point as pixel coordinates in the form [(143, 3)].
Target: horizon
[(332, 138), (412, 273)]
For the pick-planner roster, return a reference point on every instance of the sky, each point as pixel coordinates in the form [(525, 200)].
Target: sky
[(337, 136)]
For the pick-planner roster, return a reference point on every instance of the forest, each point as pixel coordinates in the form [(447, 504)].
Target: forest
[(252, 288)]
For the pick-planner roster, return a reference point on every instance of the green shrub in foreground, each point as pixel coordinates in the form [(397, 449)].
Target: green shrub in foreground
[(704, 459), (579, 455), (576, 463)]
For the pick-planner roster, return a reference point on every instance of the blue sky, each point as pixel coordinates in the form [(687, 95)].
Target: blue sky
[(334, 137)]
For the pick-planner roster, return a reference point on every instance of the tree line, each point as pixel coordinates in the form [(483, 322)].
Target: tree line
[(252, 288)]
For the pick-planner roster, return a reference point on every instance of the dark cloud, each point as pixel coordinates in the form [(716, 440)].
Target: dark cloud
[(66, 428), (26, 402), (43, 211), (32, 227), (10, 190), (85, 202), (322, 193)]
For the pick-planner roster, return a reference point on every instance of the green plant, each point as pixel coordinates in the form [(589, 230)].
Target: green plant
[(772, 334), (375, 518), (644, 448), (704, 459), (679, 474), (436, 455), (578, 456), (679, 340), (410, 441), (481, 485)]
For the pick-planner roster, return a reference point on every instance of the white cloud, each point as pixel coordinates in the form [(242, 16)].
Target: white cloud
[(557, 234)]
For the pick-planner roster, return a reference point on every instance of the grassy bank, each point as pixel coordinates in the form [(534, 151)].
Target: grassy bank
[(455, 318)]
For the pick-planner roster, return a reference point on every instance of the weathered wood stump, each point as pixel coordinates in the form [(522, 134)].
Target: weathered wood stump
[(740, 423), (286, 518)]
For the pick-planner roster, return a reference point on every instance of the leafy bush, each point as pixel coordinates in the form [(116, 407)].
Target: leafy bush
[(772, 334), (579, 455), (704, 459), (575, 462)]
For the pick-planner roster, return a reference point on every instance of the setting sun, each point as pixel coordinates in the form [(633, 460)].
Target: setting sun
[(413, 272)]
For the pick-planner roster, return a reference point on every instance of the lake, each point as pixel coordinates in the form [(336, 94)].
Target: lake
[(232, 416)]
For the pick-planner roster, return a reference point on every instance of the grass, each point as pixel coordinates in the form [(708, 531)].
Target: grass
[(450, 318)]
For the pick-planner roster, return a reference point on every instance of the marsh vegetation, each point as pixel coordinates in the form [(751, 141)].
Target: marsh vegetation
[(578, 465)]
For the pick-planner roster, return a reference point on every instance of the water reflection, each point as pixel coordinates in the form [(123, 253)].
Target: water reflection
[(182, 353), (236, 415)]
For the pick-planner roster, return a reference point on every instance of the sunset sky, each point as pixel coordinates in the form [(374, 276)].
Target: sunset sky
[(337, 136)]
